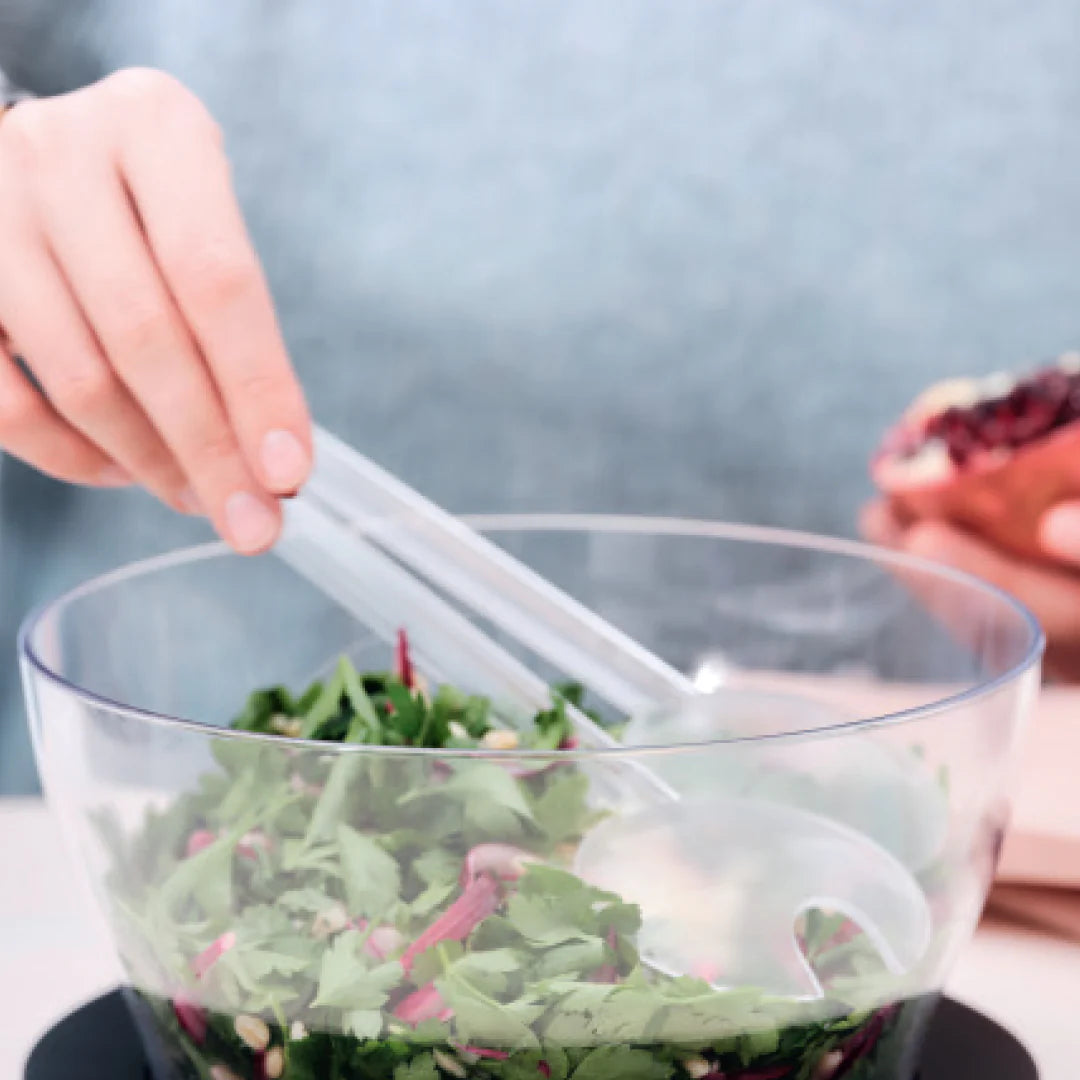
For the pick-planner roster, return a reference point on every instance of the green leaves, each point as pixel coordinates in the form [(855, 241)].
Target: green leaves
[(552, 977), (622, 1063), (554, 906), (421, 1067), (346, 983), (372, 878), (486, 802), (483, 1021)]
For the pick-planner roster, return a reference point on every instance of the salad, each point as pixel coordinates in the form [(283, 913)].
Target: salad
[(401, 916)]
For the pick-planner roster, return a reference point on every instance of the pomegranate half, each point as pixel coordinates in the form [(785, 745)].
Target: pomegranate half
[(990, 454)]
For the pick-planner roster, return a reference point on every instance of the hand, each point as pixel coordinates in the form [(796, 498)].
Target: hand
[(130, 288), (1051, 592)]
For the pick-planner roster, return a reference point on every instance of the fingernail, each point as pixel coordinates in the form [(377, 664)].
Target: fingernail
[(1059, 532), (284, 460), (114, 476), (251, 525), (189, 502)]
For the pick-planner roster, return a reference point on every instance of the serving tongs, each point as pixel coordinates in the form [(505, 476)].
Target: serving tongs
[(394, 559)]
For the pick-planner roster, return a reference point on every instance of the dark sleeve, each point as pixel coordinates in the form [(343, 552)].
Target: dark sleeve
[(47, 46), (9, 92)]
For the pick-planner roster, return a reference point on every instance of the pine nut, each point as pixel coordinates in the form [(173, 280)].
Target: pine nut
[(500, 739), (252, 1031), (274, 1063), (449, 1064)]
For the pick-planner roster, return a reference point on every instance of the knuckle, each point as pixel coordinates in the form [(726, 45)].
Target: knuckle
[(215, 448), (25, 136), (86, 394), (140, 329), (152, 97), (215, 273), (142, 85), (261, 388)]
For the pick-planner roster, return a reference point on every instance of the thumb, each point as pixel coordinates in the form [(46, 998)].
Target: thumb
[(1059, 532)]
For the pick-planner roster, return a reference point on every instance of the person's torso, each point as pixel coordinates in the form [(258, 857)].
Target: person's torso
[(613, 255)]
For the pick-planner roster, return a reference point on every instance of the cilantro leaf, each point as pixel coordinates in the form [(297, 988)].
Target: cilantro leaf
[(346, 983), (421, 1067), (372, 878), (622, 1063)]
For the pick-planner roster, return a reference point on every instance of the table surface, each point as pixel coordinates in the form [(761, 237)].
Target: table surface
[(53, 957)]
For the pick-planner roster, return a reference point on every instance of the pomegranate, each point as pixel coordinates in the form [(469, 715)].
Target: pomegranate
[(991, 455)]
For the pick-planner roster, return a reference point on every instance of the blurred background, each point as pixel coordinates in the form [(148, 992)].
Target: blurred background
[(601, 255)]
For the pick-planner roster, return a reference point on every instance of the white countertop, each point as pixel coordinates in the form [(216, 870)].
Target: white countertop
[(52, 957)]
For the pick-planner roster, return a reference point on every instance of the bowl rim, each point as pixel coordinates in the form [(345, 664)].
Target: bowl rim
[(569, 522)]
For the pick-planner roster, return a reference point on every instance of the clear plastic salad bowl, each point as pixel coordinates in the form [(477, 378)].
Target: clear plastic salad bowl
[(314, 863)]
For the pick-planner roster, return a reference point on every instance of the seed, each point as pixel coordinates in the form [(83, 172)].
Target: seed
[(331, 920), (457, 729), (828, 1066), (252, 1031), (298, 1032), (697, 1067), (500, 739), (274, 1063), (221, 1072), (286, 725), (449, 1064)]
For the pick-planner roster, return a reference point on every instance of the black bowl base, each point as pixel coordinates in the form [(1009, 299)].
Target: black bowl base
[(100, 1042)]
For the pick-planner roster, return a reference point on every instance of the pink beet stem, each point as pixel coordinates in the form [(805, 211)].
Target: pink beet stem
[(198, 841), (484, 1052), (403, 667), (420, 1005), (544, 1069), (506, 862), (212, 954), (191, 1017), (476, 903)]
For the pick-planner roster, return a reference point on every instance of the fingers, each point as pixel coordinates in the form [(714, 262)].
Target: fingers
[(111, 272), (879, 524), (1052, 596), (130, 286), (1059, 533), (182, 190), (31, 429), (68, 363)]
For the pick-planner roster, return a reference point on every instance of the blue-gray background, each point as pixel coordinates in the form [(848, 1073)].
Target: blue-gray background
[(667, 256)]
